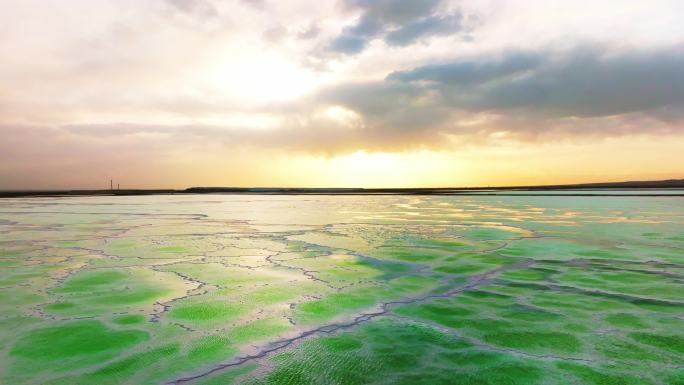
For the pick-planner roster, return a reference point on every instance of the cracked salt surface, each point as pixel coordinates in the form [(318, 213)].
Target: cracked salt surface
[(390, 289)]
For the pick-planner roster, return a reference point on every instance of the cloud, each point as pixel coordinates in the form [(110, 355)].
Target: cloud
[(545, 94), (165, 72), (473, 71), (535, 95), (259, 4), (425, 27), (591, 84), (388, 106), (275, 34), (587, 81), (202, 8), (397, 22), (394, 11), (310, 32), (348, 43)]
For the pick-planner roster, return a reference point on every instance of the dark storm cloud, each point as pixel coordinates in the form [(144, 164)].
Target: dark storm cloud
[(397, 22), (378, 103), (348, 44), (474, 71), (425, 27), (374, 97), (594, 86), (585, 91), (394, 11), (581, 82)]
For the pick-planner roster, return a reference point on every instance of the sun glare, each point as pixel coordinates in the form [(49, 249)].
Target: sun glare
[(261, 78), (384, 169)]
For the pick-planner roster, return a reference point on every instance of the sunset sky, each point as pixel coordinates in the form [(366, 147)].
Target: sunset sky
[(339, 93)]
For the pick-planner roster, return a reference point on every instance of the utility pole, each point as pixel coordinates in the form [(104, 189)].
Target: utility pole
[(117, 186), (111, 184)]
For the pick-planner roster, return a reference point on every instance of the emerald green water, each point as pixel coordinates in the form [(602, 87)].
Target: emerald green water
[(219, 289)]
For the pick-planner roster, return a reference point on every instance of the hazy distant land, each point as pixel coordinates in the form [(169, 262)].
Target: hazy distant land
[(604, 188)]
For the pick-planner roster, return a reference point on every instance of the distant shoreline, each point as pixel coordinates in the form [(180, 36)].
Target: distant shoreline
[(604, 189)]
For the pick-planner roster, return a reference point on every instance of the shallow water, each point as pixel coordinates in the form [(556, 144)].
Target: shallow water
[(592, 192), (220, 289)]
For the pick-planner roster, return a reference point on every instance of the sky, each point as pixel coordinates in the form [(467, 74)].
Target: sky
[(339, 93)]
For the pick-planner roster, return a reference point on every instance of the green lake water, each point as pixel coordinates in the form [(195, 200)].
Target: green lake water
[(221, 289)]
